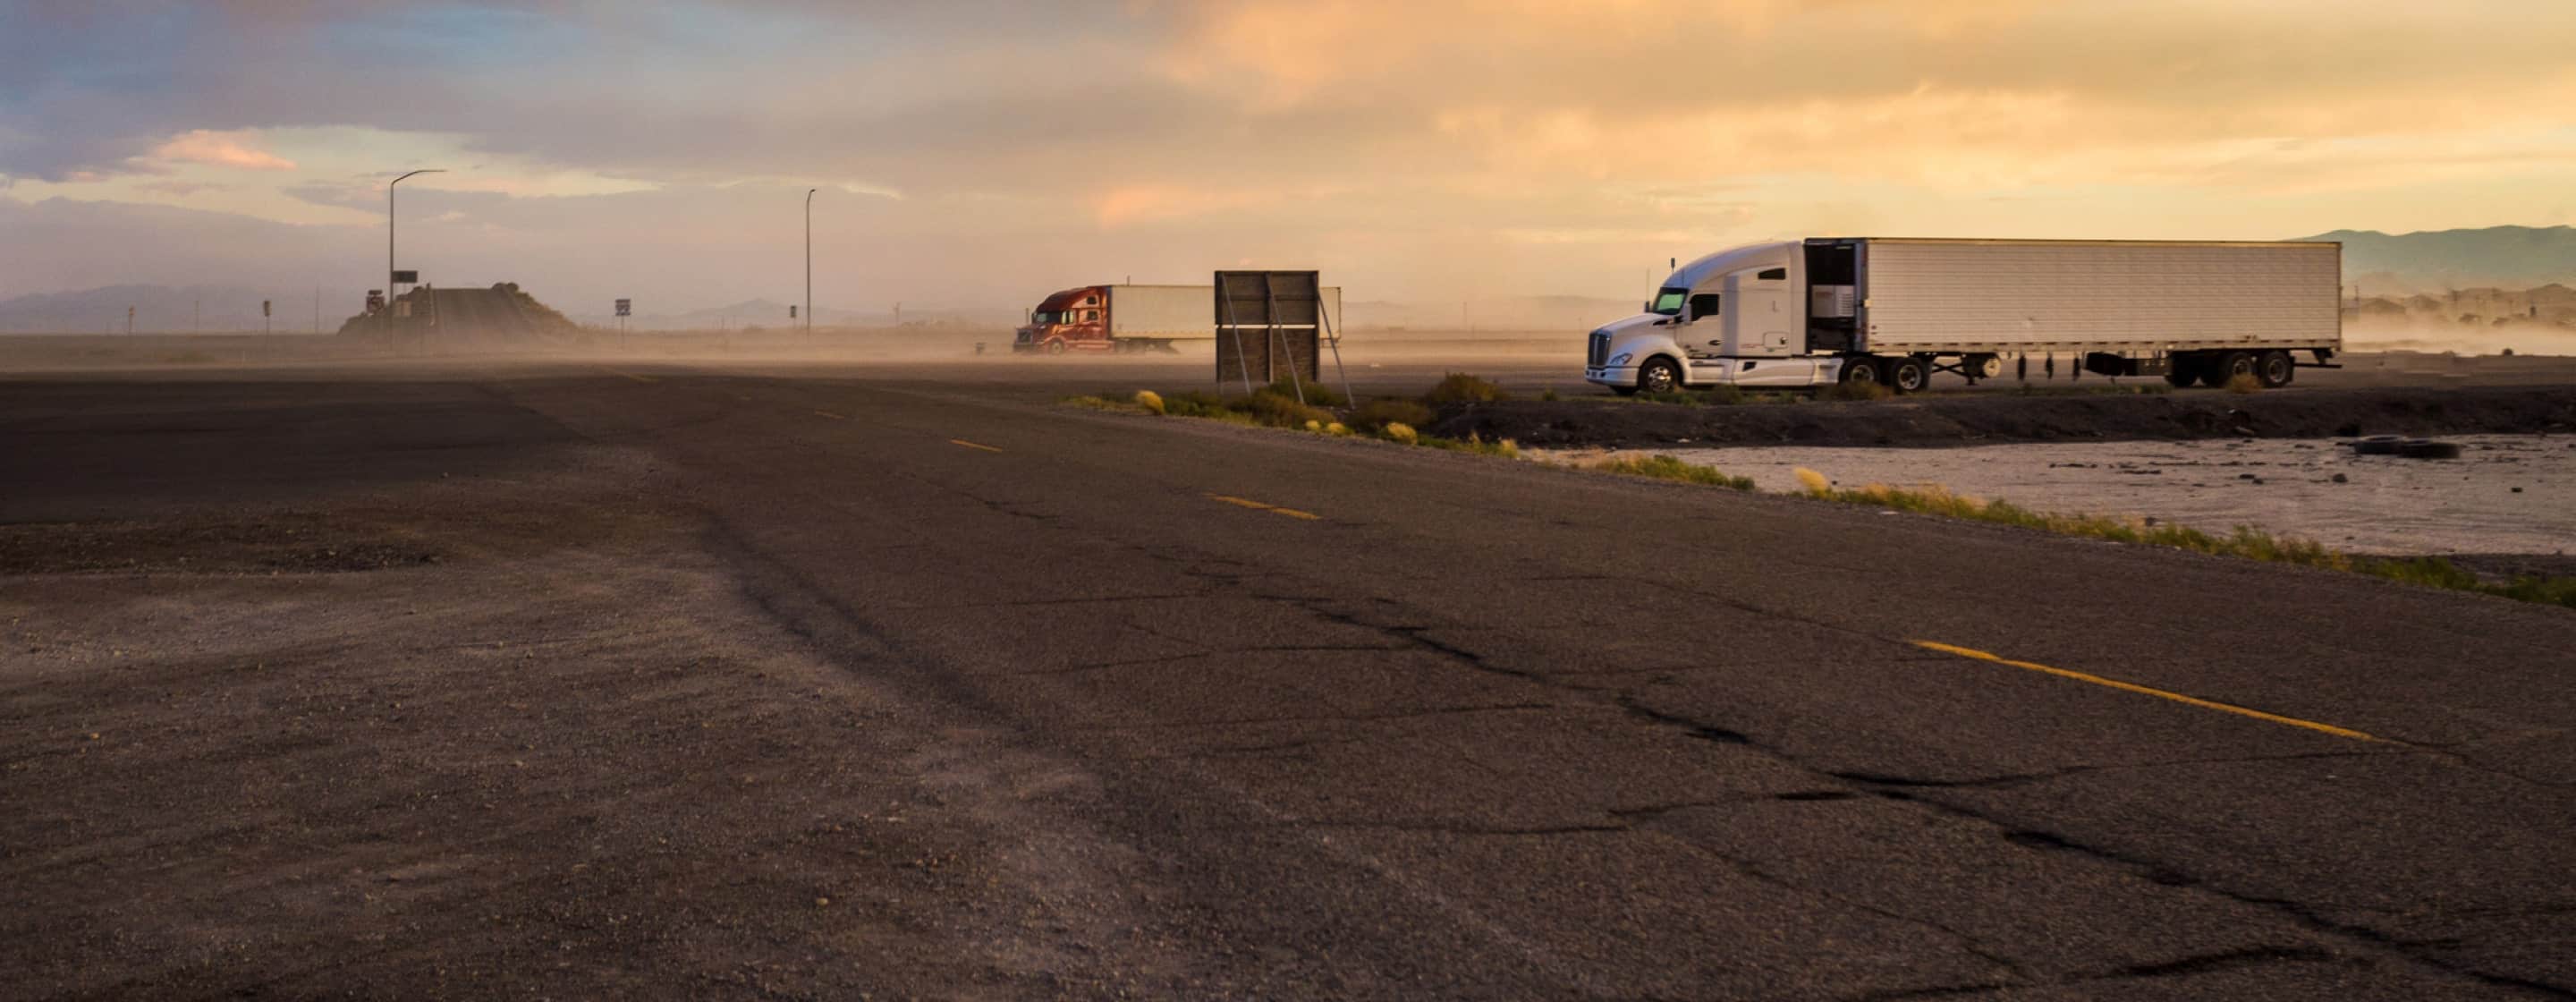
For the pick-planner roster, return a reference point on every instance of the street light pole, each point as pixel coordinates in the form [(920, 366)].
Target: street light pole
[(809, 260), (389, 228)]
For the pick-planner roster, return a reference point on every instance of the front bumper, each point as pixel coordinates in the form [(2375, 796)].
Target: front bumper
[(1611, 375)]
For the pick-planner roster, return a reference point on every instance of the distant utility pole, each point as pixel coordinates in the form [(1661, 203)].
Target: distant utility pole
[(197, 315), (809, 259), (317, 309)]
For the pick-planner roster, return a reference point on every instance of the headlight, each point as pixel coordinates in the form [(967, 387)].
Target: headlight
[(1622, 357)]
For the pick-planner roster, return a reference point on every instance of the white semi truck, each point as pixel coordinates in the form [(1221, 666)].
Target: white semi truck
[(1820, 311)]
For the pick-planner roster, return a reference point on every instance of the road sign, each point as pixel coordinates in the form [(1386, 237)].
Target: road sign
[(263, 308), (791, 313), (406, 278), (625, 307)]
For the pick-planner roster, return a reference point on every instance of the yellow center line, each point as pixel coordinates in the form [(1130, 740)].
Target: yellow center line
[(972, 445), (1967, 652), (835, 417), (629, 375), (1258, 506)]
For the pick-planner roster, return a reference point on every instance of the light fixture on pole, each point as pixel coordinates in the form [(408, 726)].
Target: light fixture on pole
[(389, 227), (809, 259)]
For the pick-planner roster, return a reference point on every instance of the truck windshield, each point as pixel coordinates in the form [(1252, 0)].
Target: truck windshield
[(1043, 318), (1669, 301)]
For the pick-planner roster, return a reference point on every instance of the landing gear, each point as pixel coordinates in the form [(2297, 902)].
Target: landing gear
[(2182, 370)]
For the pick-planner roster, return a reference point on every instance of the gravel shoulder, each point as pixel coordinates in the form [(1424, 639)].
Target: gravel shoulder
[(1997, 417)]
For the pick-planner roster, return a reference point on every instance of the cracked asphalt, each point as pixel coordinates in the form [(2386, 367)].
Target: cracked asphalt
[(662, 682)]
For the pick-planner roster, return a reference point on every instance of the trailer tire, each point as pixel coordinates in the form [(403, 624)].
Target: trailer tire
[(1859, 370), (1985, 366), (2226, 367), (2275, 369), (1911, 374), (1659, 375), (2182, 370)]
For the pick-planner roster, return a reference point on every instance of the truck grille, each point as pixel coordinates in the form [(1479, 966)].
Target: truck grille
[(1600, 352)]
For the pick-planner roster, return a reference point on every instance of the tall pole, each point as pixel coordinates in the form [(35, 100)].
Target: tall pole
[(809, 260), (389, 228)]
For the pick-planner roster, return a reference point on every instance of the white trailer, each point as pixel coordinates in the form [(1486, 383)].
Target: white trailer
[(1819, 311), (1162, 312)]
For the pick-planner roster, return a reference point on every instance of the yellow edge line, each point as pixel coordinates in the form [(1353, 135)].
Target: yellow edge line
[(835, 417), (972, 445), (1968, 652), (630, 375), (1258, 506)]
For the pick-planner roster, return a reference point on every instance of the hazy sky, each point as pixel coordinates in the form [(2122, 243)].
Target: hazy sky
[(980, 153)]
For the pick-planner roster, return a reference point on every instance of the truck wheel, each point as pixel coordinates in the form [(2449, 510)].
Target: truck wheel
[(1055, 347), (2227, 367), (2275, 369), (1985, 366), (1859, 370), (1910, 375), (1659, 375)]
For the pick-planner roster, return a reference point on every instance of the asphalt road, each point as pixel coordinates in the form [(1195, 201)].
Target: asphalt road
[(655, 682)]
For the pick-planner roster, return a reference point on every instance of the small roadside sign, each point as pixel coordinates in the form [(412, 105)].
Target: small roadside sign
[(625, 307)]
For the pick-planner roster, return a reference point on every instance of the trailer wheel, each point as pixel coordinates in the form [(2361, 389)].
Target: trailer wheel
[(1985, 366), (2227, 367), (1859, 370), (1659, 375), (1910, 374), (2275, 369)]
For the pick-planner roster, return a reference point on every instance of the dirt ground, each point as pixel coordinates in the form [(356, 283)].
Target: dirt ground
[(2003, 416), (2508, 501)]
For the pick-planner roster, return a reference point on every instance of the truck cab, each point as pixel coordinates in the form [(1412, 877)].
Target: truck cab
[(1739, 316), (1072, 320)]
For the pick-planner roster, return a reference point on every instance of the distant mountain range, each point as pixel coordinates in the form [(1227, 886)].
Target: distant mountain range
[(160, 309), (2506, 257), (770, 313)]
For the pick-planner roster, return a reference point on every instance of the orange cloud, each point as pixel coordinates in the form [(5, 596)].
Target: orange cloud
[(221, 149)]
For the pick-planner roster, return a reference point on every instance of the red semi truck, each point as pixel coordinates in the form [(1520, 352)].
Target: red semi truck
[(1132, 318), (1119, 318)]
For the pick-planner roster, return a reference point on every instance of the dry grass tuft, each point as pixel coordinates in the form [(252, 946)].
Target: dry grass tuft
[(1671, 468)]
